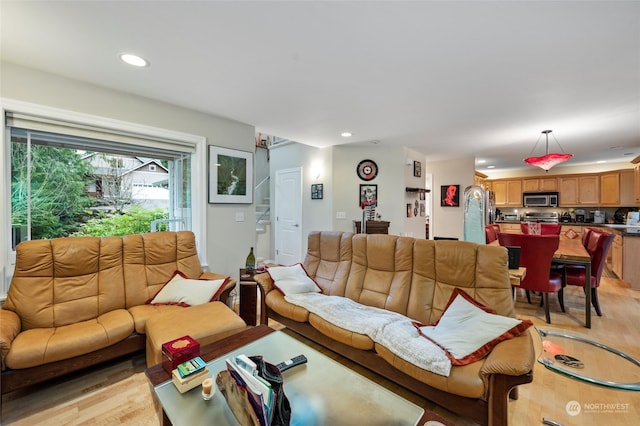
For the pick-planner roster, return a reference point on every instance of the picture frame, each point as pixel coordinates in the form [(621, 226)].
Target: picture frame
[(317, 191), (450, 196), (368, 195), (417, 169), (230, 176)]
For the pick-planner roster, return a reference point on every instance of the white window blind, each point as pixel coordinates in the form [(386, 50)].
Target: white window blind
[(68, 134)]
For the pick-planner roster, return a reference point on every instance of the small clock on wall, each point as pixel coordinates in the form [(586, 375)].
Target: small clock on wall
[(367, 169)]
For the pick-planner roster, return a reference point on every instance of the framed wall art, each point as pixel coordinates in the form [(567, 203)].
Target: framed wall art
[(450, 196), (417, 169), (230, 176), (316, 191), (368, 195)]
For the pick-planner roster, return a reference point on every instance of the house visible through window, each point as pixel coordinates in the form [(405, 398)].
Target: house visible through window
[(63, 185)]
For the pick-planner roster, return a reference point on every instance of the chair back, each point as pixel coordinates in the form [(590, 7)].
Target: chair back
[(545, 228), (586, 231), (490, 233), (598, 246), (536, 253)]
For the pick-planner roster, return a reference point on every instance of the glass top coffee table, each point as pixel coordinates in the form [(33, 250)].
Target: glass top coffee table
[(321, 392), (581, 358)]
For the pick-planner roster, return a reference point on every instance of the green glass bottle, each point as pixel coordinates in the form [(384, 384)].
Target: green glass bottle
[(251, 261)]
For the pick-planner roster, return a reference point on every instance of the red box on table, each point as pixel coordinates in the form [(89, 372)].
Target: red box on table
[(178, 351)]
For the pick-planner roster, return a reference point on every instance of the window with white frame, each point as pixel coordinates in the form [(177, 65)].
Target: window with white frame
[(67, 175)]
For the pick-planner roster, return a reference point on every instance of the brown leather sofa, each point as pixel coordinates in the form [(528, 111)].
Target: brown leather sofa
[(78, 301), (414, 278)]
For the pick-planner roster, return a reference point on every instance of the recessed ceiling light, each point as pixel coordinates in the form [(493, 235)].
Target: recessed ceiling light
[(346, 134), (134, 60), (491, 167), (600, 161), (481, 161)]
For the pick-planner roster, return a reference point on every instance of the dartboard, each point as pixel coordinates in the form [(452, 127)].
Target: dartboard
[(367, 169)]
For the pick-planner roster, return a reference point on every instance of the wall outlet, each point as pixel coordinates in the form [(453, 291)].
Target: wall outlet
[(341, 215)]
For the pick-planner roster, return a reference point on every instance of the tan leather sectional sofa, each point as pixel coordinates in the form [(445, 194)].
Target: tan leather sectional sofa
[(78, 301), (414, 278)]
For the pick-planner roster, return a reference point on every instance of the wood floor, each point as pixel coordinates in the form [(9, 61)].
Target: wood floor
[(118, 393)]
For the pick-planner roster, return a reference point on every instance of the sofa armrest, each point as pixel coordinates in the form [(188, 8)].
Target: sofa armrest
[(265, 285), (10, 326), (265, 281), (513, 357)]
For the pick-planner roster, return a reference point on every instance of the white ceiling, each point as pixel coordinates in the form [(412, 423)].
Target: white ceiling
[(444, 78)]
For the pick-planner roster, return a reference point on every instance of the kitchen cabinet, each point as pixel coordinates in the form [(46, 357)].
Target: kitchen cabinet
[(579, 190), (617, 188), (510, 227), (508, 193), (479, 179), (539, 185), (617, 255), (610, 189)]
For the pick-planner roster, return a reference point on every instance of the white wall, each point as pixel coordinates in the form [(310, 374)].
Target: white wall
[(390, 181), (227, 241), (449, 221), (317, 167), (414, 226)]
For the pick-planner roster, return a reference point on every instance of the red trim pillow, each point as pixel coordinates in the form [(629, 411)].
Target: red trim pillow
[(183, 291), (467, 330), (292, 279)]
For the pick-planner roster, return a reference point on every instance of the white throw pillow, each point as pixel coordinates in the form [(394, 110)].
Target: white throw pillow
[(292, 279), (467, 332), (180, 290)]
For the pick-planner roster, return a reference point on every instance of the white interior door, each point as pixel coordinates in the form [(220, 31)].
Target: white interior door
[(288, 209)]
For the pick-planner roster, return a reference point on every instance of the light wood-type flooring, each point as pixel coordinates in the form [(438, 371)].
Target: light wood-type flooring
[(118, 393)]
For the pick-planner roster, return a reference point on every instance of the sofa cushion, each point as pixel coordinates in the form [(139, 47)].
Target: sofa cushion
[(206, 323), (43, 345), (142, 313), (292, 279), (66, 280), (328, 260), (464, 380), (149, 260), (183, 291), (468, 331), (275, 301)]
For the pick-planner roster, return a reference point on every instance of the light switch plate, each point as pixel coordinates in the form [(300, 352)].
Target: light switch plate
[(341, 215), (239, 216)]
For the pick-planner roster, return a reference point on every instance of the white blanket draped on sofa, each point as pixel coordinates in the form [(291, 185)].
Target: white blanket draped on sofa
[(390, 329)]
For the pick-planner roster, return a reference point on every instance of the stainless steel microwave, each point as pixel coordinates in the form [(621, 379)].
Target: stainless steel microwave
[(540, 199)]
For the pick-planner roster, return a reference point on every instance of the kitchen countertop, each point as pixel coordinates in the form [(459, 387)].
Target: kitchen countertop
[(625, 230)]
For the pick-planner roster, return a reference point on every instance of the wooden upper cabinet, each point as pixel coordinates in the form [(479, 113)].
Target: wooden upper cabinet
[(589, 190), (579, 190), (610, 189), (540, 185), (508, 193), (568, 191)]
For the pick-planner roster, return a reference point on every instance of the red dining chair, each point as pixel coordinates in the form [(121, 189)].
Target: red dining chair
[(490, 233), (545, 228), (598, 245), (536, 252)]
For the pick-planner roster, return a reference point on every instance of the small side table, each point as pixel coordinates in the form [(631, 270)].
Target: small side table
[(248, 297)]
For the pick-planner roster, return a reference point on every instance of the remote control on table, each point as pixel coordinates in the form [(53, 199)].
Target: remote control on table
[(297, 360)]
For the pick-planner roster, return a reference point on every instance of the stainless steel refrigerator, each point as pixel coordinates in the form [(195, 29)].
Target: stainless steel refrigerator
[(479, 211)]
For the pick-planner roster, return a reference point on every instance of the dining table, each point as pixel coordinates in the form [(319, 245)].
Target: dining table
[(572, 252)]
